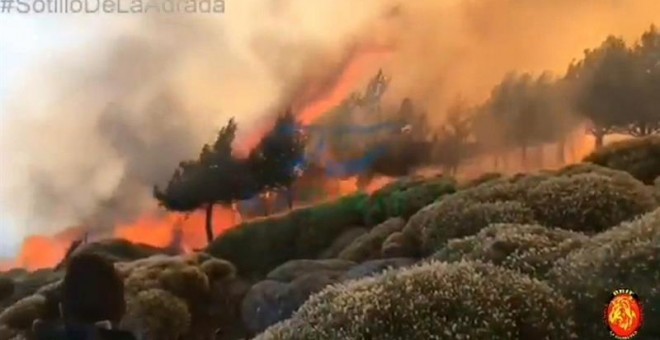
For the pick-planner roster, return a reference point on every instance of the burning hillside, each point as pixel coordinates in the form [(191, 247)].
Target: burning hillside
[(121, 117)]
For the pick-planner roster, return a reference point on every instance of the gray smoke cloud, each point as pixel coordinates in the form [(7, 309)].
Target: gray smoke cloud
[(92, 132)]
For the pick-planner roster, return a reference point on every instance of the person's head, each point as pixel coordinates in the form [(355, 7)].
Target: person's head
[(92, 291)]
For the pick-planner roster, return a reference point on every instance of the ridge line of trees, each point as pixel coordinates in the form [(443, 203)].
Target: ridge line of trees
[(615, 87)]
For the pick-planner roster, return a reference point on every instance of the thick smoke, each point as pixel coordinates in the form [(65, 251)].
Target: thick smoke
[(93, 133), (96, 131)]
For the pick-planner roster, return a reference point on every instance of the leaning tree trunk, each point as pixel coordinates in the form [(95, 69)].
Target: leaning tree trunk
[(209, 222)]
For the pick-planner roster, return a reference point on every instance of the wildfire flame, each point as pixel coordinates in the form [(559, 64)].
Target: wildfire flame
[(159, 229)]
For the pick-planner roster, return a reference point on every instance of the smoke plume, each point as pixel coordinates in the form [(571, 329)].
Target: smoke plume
[(91, 134)]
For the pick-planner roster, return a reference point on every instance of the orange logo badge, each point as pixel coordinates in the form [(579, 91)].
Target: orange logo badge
[(624, 315)]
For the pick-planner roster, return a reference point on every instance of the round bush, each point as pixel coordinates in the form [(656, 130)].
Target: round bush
[(626, 256), (399, 244), (460, 218), (514, 188), (157, 314), (590, 168), (589, 202), (530, 249), (640, 157), (433, 301), (21, 314), (188, 278), (368, 246), (216, 269)]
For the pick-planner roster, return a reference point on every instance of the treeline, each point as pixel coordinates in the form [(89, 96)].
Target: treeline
[(614, 87)]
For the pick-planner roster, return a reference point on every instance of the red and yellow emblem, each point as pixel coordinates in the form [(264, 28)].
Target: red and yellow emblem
[(624, 314)]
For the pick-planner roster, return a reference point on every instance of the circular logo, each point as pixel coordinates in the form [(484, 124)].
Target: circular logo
[(624, 315)]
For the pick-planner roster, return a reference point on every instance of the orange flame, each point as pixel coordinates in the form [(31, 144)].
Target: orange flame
[(159, 229)]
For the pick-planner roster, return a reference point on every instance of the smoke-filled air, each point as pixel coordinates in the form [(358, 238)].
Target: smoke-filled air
[(93, 132), (340, 169)]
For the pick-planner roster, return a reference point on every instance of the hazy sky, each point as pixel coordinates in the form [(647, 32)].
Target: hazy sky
[(26, 41)]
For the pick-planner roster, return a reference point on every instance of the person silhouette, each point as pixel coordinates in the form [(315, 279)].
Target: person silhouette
[(92, 302)]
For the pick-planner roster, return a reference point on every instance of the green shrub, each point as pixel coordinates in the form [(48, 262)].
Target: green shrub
[(404, 198), (433, 301), (529, 249), (640, 157), (400, 244), (626, 256), (589, 202), (21, 314), (157, 314), (590, 168), (217, 270), (368, 246), (455, 218), (28, 284), (188, 279), (258, 247), (514, 188)]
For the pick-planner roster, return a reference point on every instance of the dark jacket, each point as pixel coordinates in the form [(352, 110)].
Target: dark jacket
[(45, 331)]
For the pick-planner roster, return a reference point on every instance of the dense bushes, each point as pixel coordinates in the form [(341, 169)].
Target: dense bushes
[(165, 296), (589, 202), (306, 232), (433, 301), (406, 197), (455, 218), (258, 247), (21, 314), (640, 157), (176, 282), (157, 314), (368, 246), (627, 256), (530, 249)]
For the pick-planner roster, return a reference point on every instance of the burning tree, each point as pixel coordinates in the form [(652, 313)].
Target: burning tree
[(216, 177), (275, 160)]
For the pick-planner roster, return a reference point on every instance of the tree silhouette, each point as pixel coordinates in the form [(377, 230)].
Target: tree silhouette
[(451, 145), (216, 177), (275, 161), (604, 88), (645, 117)]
